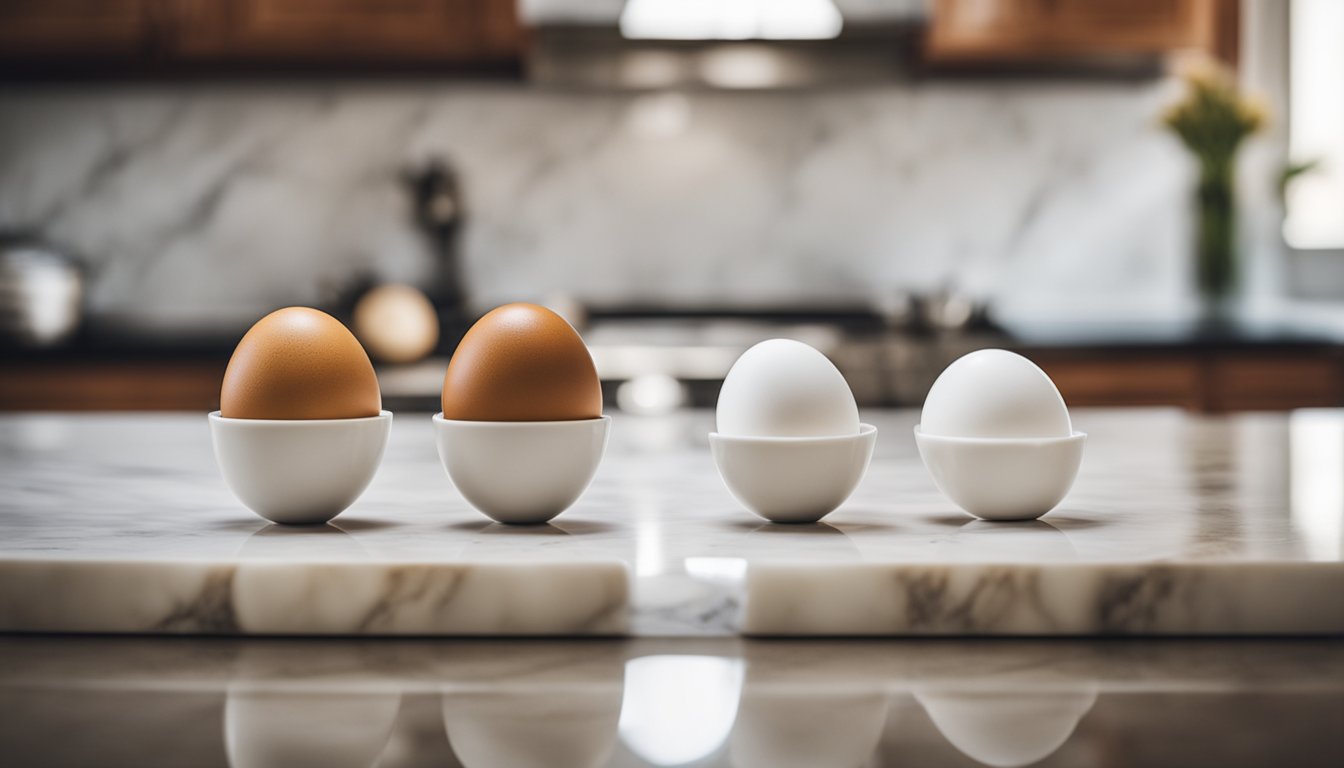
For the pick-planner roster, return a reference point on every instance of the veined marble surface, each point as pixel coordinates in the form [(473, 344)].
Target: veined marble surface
[(712, 703), (1177, 525), (204, 206)]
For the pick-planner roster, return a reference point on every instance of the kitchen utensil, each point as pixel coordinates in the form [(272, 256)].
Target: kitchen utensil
[(41, 293)]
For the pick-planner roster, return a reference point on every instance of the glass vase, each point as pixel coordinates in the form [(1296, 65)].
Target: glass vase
[(1216, 259)]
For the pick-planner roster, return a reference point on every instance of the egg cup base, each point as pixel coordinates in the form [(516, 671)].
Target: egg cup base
[(793, 479), (1008, 479), (299, 471), (521, 472)]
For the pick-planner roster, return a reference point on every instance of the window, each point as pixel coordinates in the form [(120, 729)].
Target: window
[(1315, 201)]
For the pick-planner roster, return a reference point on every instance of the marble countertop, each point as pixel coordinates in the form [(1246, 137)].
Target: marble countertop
[(1178, 524), (640, 703)]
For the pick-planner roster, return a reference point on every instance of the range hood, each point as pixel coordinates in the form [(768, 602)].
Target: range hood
[(730, 44)]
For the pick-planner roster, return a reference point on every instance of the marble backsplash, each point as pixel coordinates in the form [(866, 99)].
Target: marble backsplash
[(204, 205)]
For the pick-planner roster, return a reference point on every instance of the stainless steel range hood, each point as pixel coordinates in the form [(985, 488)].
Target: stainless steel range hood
[(728, 44)]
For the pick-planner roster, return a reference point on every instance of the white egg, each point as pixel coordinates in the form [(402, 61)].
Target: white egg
[(785, 388), (994, 393)]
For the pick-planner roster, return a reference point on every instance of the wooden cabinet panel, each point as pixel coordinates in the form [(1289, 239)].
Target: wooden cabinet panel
[(1210, 381), (1011, 31), (967, 26), (1127, 381), (43, 29), (1143, 25), (1275, 382), (111, 386), (153, 36), (345, 30)]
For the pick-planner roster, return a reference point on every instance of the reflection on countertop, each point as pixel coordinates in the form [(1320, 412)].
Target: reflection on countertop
[(204, 702)]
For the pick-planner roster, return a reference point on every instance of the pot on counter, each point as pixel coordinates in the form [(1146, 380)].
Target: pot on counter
[(41, 293)]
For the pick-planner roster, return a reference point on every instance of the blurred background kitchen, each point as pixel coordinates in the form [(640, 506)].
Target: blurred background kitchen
[(1145, 196)]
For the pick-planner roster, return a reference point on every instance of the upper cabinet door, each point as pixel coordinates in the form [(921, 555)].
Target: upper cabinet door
[(1135, 25), (75, 29), (1035, 31), (346, 31), (968, 27)]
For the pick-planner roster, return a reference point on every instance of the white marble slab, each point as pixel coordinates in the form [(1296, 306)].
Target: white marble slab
[(1177, 525)]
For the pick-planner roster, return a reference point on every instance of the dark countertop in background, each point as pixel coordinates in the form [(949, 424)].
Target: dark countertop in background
[(1172, 335), (1024, 336), (1148, 363)]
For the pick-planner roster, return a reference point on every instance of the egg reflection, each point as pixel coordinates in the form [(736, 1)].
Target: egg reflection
[(418, 739), (679, 709), (310, 594), (1017, 541), (801, 726), (573, 726), (265, 727), (288, 706), (1007, 729)]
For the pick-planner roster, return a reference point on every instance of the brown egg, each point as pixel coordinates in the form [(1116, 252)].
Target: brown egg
[(521, 362), (299, 363)]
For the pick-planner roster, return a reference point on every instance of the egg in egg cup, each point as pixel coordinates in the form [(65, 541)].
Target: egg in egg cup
[(996, 436), (521, 433), (789, 444), (300, 432)]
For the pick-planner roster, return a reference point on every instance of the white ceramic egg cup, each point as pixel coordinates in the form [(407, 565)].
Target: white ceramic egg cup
[(299, 471), (793, 479), (521, 472), (998, 478)]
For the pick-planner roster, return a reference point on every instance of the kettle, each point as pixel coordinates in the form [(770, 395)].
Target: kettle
[(41, 293)]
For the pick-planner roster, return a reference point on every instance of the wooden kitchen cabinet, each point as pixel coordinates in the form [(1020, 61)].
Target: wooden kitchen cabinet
[(174, 37), (76, 29), (1209, 381), (1122, 380), (1273, 382), (111, 385), (968, 32), (315, 31)]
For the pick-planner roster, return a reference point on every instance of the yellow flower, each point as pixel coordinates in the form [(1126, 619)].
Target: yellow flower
[(1203, 72), (1254, 112), (1214, 117)]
